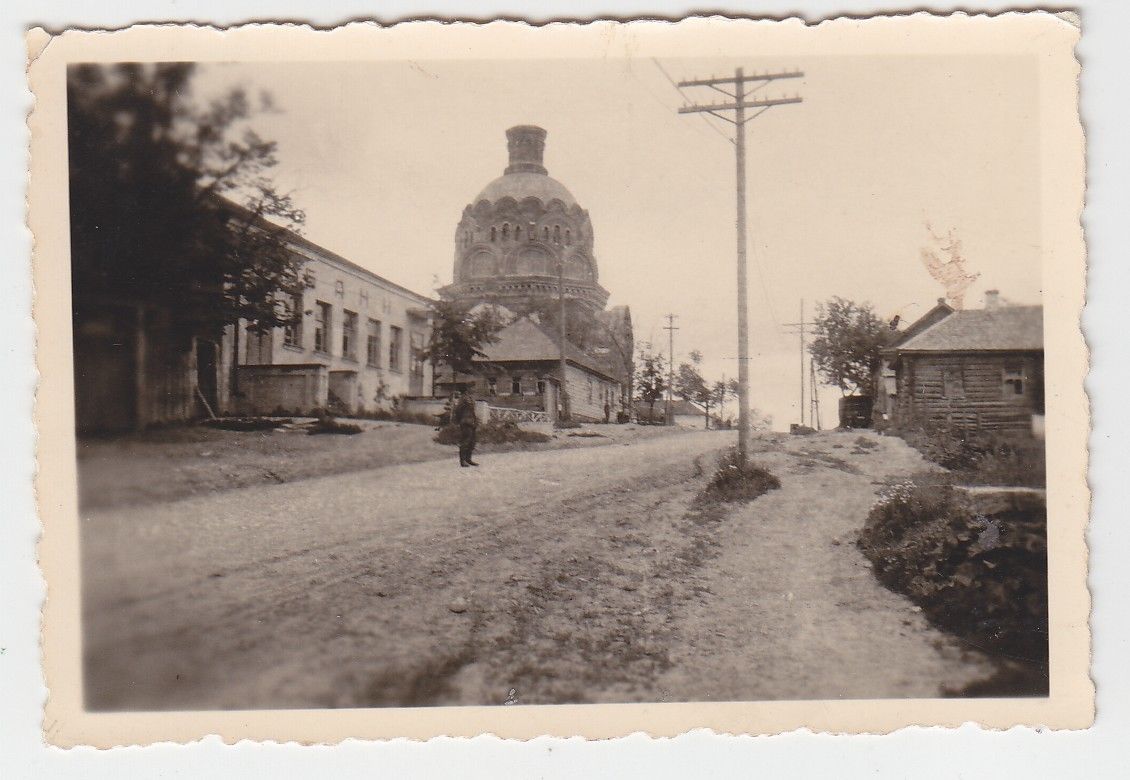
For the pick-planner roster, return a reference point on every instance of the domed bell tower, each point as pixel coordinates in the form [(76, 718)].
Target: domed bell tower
[(522, 231)]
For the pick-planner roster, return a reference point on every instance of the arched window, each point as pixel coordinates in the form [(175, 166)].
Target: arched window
[(568, 238), (557, 234), (492, 235), (545, 233), (505, 230), (517, 232)]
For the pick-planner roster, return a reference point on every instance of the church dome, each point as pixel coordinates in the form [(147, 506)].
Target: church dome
[(525, 235), (526, 185)]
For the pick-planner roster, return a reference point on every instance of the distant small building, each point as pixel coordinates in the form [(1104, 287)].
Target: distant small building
[(684, 414), (977, 370), (522, 371)]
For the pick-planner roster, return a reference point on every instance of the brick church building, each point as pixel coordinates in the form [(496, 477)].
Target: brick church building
[(521, 245)]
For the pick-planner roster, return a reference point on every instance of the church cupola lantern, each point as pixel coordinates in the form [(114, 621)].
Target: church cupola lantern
[(526, 144)]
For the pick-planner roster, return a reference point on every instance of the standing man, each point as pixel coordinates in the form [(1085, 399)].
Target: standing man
[(464, 416)]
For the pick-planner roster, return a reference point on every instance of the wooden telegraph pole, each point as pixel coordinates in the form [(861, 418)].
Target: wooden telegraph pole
[(563, 390), (740, 101), (670, 328)]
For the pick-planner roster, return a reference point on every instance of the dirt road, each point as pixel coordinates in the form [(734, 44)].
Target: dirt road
[(577, 575)]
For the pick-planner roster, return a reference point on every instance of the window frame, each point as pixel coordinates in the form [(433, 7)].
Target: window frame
[(373, 344), (292, 331), (349, 321), (323, 326), (395, 347), (1014, 378)]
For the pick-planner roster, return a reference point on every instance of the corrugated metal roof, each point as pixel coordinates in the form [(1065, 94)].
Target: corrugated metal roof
[(1006, 328)]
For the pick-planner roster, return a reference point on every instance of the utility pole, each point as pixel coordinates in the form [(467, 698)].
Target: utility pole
[(802, 328), (561, 335), (738, 106), (815, 396), (670, 328)]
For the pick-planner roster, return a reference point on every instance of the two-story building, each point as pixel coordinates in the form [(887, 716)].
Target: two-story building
[(355, 347)]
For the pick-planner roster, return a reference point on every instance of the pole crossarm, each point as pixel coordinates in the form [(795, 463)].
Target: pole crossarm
[(791, 74), (742, 99), (711, 109)]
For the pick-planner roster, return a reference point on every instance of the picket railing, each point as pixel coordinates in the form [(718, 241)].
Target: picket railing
[(503, 414)]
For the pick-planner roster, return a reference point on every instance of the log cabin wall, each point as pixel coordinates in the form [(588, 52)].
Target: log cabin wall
[(993, 392)]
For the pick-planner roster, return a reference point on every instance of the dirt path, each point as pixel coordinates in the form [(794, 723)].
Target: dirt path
[(571, 575)]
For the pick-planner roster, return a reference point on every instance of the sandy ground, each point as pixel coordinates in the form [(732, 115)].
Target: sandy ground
[(574, 575), (164, 464)]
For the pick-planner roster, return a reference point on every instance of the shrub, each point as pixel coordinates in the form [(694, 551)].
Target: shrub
[(505, 432), (245, 423), (984, 578), (737, 481), (327, 424), (980, 458), (400, 415)]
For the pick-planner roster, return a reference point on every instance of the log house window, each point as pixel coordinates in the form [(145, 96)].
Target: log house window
[(492, 386), (953, 382), (1014, 380), (516, 385)]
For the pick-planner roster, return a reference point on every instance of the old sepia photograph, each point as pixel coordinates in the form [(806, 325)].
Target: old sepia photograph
[(422, 382)]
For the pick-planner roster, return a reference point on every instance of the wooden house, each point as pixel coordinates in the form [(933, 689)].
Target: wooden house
[(886, 384), (973, 370), (521, 370)]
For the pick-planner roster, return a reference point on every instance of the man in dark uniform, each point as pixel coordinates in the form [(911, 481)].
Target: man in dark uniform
[(464, 416)]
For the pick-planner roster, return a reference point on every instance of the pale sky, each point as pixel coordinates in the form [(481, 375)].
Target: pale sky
[(383, 157)]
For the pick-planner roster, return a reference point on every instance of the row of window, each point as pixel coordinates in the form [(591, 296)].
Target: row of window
[(1014, 381), (531, 234), (350, 337), (519, 385)]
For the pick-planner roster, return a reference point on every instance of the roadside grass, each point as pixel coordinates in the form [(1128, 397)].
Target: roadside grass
[(505, 432), (734, 481), (981, 459)]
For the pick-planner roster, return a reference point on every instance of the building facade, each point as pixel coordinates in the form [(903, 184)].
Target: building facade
[(521, 371), (356, 346), (975, 370)]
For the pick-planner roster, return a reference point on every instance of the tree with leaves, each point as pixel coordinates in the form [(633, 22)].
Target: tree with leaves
[(691, 386), (459, 335), (651, 378), (846, 343), (172, 204)]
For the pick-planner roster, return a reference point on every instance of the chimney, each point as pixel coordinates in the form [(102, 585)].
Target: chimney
[(992, 299), (526, 144)]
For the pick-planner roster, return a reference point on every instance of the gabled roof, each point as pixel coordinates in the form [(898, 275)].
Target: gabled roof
[(939, 312), (525, 340), (1005, 328)]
